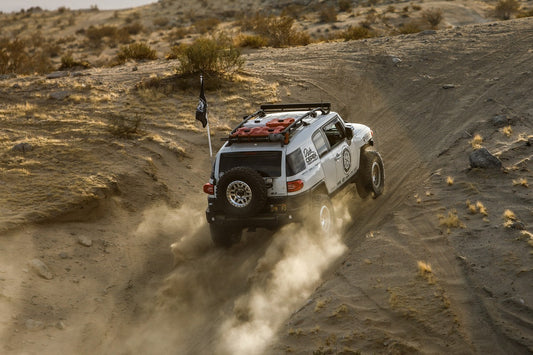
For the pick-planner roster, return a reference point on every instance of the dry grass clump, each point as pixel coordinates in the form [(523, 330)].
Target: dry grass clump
[(409, 28), (425, 271), (206, 24), (476, 142), (251, 41), (108, 35), (449, 180), (520, 181), (68, 62), (504, 9), (433, 17), (474, 208), (279, 31), (345, 5), (327, 14), (320, 304), (342, 309), (507, 131), (451, 220), (125, 127), (509, 218)]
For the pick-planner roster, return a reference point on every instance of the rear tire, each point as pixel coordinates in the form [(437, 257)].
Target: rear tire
[(371, 175), (224, 237), (241, 191), (322, 216)]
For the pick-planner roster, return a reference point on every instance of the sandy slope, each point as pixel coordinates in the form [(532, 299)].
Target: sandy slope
[(287, 292)]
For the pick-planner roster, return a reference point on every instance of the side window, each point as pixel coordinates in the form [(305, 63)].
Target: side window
[(295, 162), (320, 143), (334, 132)]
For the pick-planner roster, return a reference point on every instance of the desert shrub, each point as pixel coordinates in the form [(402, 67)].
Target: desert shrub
[(433, 17), (293, 10), (410, 27), (16, 56), (327, 14), (133, 28), (251, 41), (345, 5), (280, 32), (161, 21), (356, 32), (68, 62), (177, 34), (505, 8), (212, 56), (525, 13), (135, 51), (206, 24), (125, 127)]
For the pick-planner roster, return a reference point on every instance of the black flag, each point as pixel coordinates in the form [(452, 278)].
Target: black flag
[(201, 110)]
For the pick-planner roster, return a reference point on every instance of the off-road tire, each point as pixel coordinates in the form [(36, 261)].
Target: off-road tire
[(224, 237), (370, 178), (322, 218), (241, 192)]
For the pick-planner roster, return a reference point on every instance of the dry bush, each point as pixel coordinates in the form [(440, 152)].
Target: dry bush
[(126, 127), (18, 56), (327, 14), (449, 181), (161, 21), (356, 32), (133, 28), (525, 13), (410, 27), (451, 220), (68, 62), (474, 208), (177, 33), (206, 24), (279, 32), (433, 17), (293, 10), (509, 218), (135, 51), (251, 41), (504, 9), (215, 56), (425, 271), (345, 5)]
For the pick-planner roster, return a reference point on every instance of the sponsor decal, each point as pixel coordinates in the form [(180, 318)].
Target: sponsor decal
[(346, 160), (310, 155)]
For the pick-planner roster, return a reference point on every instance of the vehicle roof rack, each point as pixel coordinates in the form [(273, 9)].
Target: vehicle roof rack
[(325, 106), (276, 133)]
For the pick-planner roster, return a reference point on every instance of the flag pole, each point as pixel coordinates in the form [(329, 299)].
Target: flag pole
[(207, 125)]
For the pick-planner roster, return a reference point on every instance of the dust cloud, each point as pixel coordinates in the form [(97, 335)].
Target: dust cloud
[(226, 301)]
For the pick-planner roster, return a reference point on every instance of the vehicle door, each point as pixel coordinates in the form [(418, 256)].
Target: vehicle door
[(338, 162)]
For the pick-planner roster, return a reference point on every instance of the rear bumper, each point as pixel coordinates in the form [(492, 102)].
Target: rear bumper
[(296, 208)]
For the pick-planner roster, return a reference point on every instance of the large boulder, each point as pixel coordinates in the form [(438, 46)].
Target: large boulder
[(482, 158)]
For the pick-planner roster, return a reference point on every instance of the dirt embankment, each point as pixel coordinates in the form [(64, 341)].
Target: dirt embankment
[(424, 268)]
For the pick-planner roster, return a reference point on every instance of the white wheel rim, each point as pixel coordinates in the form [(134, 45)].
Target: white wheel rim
[(325, 218), (376, 175), (239, 194)]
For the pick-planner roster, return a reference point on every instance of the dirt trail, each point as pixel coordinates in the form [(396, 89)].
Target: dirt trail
[(426, 96)]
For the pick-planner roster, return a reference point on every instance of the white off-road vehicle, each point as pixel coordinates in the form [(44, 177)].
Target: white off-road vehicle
[(282, 164)]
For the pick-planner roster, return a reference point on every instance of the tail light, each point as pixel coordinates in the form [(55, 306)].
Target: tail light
[(296, 185), (209, 188)]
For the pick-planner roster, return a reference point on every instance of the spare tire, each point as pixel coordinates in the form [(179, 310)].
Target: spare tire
[(241, 191)]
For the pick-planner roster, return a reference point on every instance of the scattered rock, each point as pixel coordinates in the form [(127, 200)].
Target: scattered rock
[(482, 158), (60, 325), (396, 60), (499, 120), (427, 32), (34, 325), (518, 225), (79, 73), (85, 241), (60, 95), (16, 86), (41, 269), (7, 76), (448, 86), (63, 255), (134, 68), (57, 74), (22, 147)]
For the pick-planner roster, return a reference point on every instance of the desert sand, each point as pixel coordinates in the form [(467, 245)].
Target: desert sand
[(104, 246)]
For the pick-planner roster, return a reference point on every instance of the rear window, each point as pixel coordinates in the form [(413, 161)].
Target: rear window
[(295, 162), (267, 163)]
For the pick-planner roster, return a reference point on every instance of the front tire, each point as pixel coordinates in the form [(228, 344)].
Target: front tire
[(371, 175), (224, 237)]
